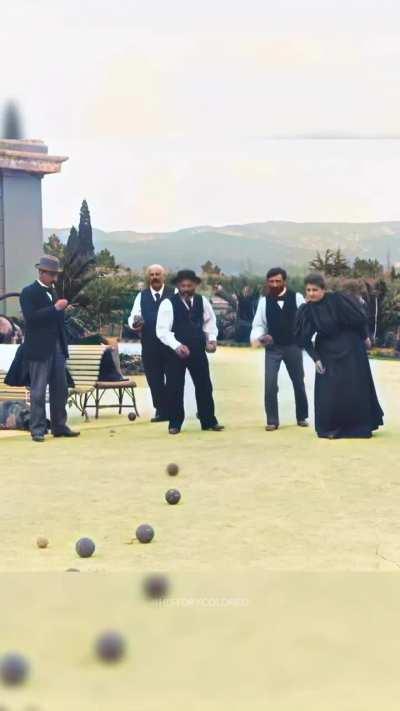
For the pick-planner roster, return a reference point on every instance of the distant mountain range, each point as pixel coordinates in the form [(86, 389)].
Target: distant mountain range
[(252, 247)]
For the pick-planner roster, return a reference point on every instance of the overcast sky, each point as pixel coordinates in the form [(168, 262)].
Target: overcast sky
[(166, 109)]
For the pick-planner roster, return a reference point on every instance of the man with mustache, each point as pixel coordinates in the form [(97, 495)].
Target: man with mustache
[(143, 319), (274, 327), (186, 325)]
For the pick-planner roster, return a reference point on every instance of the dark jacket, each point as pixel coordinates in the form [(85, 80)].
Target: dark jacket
[(149, 309), (188, 325), (43, 323), (18, 372), (281, 321)]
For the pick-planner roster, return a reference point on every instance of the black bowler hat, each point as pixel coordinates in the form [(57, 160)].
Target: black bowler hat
[(186, 274)]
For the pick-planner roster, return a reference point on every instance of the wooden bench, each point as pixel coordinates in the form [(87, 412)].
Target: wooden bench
[(84, 365)]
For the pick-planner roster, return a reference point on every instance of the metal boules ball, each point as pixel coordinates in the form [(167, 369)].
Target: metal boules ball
[(172, 469), (156, 586), (173, 496), (110, 647), (13, 669), (145, 533), (132, 416), (85, 547)]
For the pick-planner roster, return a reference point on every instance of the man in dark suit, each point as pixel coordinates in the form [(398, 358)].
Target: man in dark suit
[(187, 327), (274, 328), (143, 319), (45, 351)]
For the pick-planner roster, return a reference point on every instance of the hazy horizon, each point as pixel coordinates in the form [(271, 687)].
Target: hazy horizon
[(226, 113)]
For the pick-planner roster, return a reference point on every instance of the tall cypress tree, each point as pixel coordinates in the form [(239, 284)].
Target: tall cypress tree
[(79, 258), (85, 230)]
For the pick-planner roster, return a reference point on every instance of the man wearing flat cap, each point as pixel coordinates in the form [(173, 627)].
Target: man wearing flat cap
[(186, 324), (45, 350)]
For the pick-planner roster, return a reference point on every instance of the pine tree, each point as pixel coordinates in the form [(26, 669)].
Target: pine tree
[(105, 259), (55, 247), (323, 264), (340, 266), (366, 267)]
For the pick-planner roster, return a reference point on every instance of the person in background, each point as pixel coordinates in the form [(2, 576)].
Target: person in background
[(247, 306), (45, 351), (224, 306), (274, 328), (143, 319), (186, 325)]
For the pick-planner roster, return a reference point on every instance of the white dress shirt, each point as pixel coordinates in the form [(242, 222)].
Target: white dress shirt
[(48, 289), (260, 326), (137, 309), (165, 321)]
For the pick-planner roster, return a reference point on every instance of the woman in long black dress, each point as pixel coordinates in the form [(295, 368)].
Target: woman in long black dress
[(346, 404)]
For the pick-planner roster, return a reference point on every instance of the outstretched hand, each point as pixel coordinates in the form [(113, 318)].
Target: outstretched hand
[(211, 346)]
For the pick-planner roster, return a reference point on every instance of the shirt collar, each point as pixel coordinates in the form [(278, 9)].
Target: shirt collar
[(48, 288), (184, 301), (154, 292)]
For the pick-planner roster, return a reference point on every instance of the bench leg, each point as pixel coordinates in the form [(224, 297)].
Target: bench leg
[(120, 400), (97, 402), (84, 410)]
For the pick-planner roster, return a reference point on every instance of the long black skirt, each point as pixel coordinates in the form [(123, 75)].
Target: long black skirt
[(346, 403)]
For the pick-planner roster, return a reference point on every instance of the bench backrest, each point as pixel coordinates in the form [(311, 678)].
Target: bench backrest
[(84, 364), (11, 393)]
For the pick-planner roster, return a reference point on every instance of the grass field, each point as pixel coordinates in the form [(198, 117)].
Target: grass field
[(250, 499), (248, 625), (303, 642)]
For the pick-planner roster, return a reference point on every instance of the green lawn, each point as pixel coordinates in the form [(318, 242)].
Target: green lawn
[(250, 499), (240, 630)]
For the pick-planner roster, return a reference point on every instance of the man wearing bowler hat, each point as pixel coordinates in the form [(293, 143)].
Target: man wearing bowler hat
[(186, 324), (45, 350)]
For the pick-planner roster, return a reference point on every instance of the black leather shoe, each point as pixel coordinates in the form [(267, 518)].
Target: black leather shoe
[(37, 438), (214, 428), (174, 430), (66, 433), (303, 423)]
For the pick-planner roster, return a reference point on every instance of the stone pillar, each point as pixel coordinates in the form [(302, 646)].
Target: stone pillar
[(22, 167)]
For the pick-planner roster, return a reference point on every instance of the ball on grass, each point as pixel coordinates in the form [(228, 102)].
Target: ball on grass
[(173, 496), (42, 542), (145, 533), (13, 669), (156, 586), (110, 647), (85, 547), (132, 416), (172, 469)]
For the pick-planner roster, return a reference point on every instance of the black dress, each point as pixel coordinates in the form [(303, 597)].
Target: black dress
[(346, 404)]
